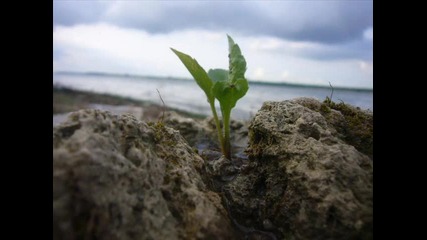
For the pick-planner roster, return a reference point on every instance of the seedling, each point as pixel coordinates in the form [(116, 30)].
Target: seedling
[(225, 86)]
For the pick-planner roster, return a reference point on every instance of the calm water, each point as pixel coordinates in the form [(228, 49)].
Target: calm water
[(186, 95)]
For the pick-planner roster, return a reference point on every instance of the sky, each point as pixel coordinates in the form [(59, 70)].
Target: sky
[(302, 42)]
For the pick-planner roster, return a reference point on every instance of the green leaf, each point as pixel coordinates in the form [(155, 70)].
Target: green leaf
[(198, 73), (229, 93), (218, 74), (237, 63), (230, 43), (229, 88)]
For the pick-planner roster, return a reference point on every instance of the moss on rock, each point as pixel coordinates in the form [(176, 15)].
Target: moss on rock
[(353, 125)]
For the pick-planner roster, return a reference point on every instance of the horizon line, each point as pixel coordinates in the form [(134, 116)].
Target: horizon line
[(257, 82)]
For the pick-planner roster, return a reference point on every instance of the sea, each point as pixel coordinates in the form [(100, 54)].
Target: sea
[(185, 94)]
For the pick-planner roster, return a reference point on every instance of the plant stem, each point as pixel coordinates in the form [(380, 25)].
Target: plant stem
[(218, 126), (227, 145)]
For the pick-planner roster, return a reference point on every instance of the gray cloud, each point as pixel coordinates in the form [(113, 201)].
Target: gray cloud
[(349, 50), (327, 22), (69, 13)]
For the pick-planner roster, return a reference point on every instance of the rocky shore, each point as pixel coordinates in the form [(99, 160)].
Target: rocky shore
[(301, 169)]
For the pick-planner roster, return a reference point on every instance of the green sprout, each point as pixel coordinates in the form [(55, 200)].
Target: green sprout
[(225, 86)]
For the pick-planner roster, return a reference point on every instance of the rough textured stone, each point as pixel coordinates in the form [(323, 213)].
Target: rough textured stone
[(351, 124), (303, 181), (202, 134), (115, 177), (196, 132), (309, 175)]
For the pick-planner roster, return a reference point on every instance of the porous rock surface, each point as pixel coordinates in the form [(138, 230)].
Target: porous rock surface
[(115, 177), (202, 134), (307, 174), (302, 180)]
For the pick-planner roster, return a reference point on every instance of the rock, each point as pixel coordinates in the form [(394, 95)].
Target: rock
[(115, 177), (138, 112), (197, 132), (351, 124), (303, 180), (309, 175), (202, 134)]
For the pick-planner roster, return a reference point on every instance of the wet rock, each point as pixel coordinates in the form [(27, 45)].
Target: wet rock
[(202, 134), (196, 132), (303, 180), (115, 177), (220, 171)]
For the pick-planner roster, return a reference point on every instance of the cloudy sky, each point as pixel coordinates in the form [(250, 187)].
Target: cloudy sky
[(308, 42)]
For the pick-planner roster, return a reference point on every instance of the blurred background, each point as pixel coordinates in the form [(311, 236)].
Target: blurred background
[(292, 48)]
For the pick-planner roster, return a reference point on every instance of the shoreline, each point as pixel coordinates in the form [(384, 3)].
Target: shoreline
[(66, 100), (251, 81)]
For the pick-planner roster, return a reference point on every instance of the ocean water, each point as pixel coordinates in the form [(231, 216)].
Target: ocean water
[(186, 94)]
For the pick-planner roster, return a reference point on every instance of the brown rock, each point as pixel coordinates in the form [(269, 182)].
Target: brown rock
[(115, 177)]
